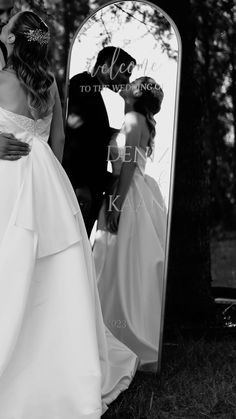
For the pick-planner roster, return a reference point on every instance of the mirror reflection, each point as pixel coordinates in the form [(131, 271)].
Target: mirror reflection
[(123, 81)]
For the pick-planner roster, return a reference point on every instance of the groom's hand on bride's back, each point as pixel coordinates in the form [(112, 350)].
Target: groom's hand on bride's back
[(11, 148)]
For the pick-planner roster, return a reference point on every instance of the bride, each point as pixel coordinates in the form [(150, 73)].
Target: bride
[(56, 359), (129, 246)]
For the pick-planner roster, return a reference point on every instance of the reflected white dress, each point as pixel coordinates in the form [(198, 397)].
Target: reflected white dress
[(55, 357), (129, 265)]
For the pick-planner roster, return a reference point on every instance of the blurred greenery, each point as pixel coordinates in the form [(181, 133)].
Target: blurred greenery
[(216, 66), (64, 18)]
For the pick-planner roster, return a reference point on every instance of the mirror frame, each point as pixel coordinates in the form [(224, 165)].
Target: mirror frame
[(173, 151)]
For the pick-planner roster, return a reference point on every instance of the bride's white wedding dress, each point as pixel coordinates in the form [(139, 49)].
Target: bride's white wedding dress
[(129, 264), (55, 356)]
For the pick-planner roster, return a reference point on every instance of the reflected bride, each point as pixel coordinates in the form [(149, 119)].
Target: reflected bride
[(129, 252), (146, 36)]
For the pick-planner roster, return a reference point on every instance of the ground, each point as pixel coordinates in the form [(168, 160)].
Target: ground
[(198, 375), (223, 260), (197, 381)]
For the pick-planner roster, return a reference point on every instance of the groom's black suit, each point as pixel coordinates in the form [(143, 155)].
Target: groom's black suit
[(85, 155)]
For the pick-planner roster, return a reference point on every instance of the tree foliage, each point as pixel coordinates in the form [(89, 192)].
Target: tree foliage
[(155, 23), (216, 67), (65, 18)]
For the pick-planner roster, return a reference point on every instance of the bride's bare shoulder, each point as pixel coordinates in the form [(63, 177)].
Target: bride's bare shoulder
[(3, 79), (7, 77), (8, 80), (10, 89)]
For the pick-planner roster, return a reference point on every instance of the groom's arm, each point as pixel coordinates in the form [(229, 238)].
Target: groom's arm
[(11, 148)]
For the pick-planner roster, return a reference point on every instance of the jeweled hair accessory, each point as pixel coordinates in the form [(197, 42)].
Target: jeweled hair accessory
[(38, 35)]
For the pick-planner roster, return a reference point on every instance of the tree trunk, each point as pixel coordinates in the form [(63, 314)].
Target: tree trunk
[(232, 43), (189, 276)]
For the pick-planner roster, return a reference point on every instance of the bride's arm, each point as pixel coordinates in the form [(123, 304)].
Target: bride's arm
[(133, 134), (57, 134)]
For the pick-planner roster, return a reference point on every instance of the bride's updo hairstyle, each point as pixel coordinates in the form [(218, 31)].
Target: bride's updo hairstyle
[(148, 103), (29, 60)]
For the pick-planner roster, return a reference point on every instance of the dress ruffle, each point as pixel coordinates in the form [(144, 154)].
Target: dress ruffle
[(38, 198)]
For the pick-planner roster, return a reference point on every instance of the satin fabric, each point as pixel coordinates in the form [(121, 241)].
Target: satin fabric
[(57, 360)]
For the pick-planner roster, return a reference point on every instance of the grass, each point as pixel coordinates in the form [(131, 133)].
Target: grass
[(197, 381), (198, 376), (223, 261)]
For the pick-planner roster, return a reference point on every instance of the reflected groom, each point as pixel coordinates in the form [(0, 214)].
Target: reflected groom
[(87, 129)]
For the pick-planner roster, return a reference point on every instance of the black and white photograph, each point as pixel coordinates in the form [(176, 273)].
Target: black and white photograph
[(118, 209)]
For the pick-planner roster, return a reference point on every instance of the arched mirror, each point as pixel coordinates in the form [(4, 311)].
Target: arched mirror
[(122, 107)]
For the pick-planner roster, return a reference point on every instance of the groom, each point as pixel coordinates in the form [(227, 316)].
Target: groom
[(87, 129), (10, 148)]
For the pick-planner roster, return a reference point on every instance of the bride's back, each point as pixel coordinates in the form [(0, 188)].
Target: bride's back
[(13, 96)]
